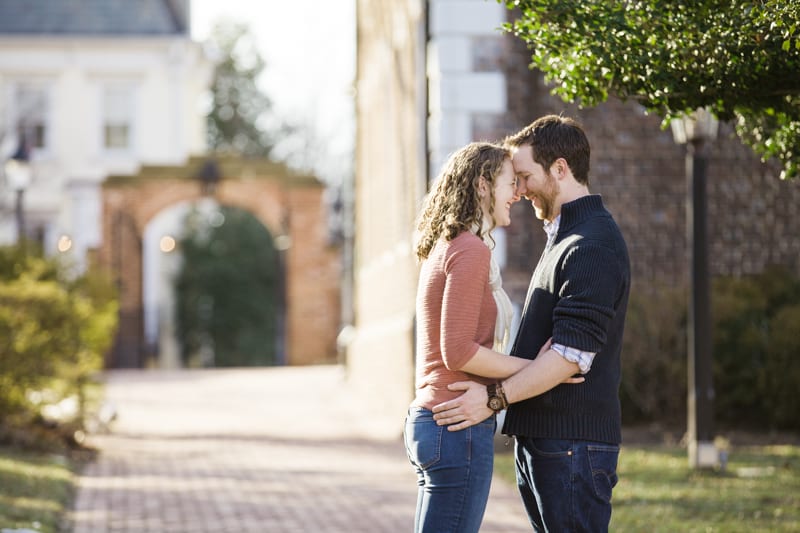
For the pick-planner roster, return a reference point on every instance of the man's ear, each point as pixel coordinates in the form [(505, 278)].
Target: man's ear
[(560, 168)]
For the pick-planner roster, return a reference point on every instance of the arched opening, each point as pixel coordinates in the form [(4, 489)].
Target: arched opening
[(213, 288)]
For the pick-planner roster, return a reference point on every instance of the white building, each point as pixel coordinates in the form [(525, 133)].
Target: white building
[(94, 88)]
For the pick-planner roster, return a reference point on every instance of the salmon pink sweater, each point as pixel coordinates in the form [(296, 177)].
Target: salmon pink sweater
[(456, 314)]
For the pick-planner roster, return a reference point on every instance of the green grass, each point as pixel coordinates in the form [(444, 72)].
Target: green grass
[(35, 489), (657, 492)]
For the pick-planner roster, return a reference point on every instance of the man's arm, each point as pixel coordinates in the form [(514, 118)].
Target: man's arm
[(542, 374)]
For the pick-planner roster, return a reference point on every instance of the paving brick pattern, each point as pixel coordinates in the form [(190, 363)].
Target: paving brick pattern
[(251, 450)]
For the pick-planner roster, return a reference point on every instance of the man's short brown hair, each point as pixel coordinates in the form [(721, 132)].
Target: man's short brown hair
[(552, 137)]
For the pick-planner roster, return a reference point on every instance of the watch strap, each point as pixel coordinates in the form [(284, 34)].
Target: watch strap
[(502, 394), (497, 397)]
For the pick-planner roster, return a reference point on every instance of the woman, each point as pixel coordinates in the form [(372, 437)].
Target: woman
[(462, 312)]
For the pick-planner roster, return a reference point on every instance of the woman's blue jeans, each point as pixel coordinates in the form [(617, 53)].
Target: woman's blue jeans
[(454, 472), (566, 484)]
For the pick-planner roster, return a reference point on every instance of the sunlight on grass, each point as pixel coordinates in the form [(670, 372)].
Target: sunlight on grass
[(34, 490), (657, 492)]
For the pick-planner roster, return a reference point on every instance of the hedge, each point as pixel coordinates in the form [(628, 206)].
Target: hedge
[(755, 347)]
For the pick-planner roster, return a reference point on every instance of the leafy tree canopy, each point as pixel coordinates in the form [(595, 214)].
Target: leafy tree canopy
[(240, 109), (738, 58)]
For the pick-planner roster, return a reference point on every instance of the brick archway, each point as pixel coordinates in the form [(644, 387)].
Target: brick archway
[(287, 205)]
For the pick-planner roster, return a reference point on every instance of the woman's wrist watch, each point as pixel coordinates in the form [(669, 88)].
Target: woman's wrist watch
[(497, 397)]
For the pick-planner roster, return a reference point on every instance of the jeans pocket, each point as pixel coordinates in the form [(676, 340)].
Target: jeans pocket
[(551, 448), (423, 440), (603, 462)]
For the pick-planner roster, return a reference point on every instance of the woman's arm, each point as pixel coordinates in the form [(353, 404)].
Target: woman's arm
[(467, 277), (491, 364)]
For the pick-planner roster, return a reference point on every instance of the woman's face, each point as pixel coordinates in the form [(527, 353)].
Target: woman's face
[(505, 194)]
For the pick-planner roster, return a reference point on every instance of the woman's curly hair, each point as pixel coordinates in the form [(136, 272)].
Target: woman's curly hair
[(454, 205)]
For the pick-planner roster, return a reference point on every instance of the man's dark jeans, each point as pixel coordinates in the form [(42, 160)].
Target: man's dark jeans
[(566, 484)]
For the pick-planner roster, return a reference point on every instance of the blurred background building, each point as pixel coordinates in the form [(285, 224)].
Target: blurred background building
[(103, 137), (93, 88)]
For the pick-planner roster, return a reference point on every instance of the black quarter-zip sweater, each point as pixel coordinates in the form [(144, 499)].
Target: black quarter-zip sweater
[(579, 296)]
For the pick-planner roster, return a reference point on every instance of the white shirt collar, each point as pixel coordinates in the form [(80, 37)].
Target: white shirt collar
[(551, 229)]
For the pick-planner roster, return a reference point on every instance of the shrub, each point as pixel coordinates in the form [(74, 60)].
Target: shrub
[(780, 379), (54, 332), (654, 357), (754, 348)]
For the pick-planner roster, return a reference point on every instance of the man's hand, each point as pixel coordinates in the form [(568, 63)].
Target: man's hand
[(466, 410)]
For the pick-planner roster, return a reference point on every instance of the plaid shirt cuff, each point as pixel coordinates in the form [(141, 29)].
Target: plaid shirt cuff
[(573, 355)]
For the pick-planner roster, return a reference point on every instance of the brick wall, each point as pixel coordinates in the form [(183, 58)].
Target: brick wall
[(313, 271)]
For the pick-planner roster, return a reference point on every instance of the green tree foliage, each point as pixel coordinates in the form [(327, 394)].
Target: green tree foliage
[(739, 58), (238, 118), (54, 332), (228, 290)]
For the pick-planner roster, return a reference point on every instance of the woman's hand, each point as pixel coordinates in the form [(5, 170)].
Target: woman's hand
[(466, 410)]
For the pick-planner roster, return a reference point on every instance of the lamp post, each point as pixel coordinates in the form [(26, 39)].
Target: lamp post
[(282, 243), (18, 174), (697, 130)]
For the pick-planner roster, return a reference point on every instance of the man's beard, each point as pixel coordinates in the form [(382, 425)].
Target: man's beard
[(547, 198)]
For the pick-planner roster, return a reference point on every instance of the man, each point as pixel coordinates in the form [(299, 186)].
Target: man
[(567, 436)]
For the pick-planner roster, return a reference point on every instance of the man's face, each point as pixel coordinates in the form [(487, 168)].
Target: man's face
[(536, 184)]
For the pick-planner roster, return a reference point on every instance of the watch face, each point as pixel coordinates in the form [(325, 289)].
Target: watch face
[(495, 404)]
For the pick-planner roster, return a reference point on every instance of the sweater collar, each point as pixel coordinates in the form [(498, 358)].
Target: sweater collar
[(579, 210)]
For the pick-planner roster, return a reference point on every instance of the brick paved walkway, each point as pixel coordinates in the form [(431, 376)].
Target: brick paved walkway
[(256, 450)]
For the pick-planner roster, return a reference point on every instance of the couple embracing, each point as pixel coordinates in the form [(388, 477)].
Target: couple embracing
[(560, 382)]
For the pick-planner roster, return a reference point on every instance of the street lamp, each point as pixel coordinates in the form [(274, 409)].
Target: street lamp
[(209, 177), (18, 174), (697, 130)]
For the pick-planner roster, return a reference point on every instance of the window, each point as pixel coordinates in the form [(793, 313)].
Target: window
[(31, 111), (117, 116)]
